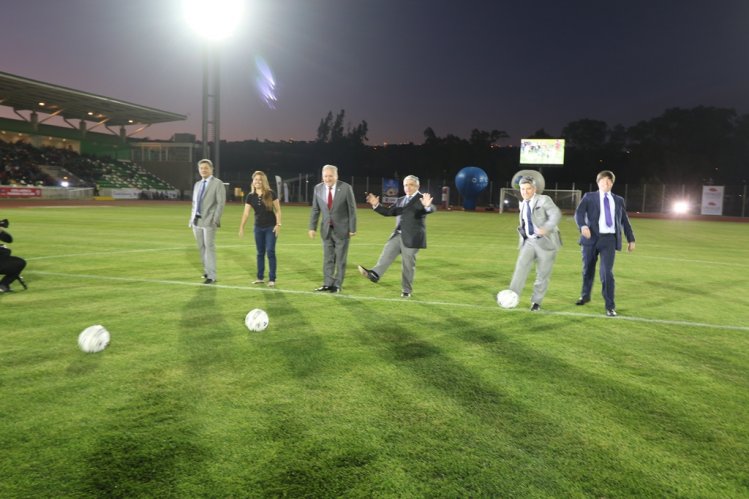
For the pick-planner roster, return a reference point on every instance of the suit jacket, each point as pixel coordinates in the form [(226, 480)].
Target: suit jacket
[(589, 211), (212, 206), (412, 226), (342, 214), (546, 215)]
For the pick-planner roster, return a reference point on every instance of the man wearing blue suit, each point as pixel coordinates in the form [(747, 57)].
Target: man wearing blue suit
[(601, 217)]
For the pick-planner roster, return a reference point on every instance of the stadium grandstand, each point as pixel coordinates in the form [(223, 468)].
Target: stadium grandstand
[(56, 149)]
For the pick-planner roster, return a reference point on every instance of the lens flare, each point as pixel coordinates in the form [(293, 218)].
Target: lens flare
[(265, 83)]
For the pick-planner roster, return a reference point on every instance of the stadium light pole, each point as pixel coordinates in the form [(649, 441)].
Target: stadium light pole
[(214, 21)]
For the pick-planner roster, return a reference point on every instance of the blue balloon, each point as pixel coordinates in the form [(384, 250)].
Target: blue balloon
[(470, 181)]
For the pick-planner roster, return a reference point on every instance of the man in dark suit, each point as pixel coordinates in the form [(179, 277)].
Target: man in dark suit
[(409, 236), (334, 200), (601, 217), (208, 201), (10, 266)]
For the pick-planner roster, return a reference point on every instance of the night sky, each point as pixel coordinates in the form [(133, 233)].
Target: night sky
[(401, 65)]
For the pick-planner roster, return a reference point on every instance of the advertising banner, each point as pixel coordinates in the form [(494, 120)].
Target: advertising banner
[(712, 199), (390, 187), (20, 192), (126, 193)]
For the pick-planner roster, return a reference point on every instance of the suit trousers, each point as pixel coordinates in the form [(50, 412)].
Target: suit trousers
[(206, 239), (394, 247), (531, 251), (334, 255), (605, 246)]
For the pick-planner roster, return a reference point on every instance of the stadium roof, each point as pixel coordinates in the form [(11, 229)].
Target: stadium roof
[(24, 94)]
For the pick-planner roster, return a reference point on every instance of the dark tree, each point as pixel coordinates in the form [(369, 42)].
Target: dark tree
[(330, 130), (323, 130), (336, 131), (484, 139), (540, 134), (586, 134), (685, 145)]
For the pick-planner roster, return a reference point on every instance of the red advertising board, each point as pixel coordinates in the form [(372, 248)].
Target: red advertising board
[(20, 192)]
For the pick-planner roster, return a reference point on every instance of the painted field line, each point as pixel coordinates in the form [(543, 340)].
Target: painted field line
[(396, 300), (156, 250)]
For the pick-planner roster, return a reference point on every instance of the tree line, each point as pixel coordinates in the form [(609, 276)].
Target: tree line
[(681, 146)]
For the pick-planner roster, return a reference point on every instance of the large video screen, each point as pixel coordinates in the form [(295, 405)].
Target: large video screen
[(542, 151)]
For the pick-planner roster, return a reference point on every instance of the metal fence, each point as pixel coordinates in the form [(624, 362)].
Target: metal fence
[(643, 198)]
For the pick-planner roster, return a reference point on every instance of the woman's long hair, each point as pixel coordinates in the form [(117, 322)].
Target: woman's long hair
[(266, 193)]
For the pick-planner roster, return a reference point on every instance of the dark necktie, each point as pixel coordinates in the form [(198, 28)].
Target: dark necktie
[(330, 198), (607, 210), (200, 195), (528, 218)]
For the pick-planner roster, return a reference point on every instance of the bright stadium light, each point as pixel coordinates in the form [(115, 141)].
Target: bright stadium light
[(681, 207), (214, 21)]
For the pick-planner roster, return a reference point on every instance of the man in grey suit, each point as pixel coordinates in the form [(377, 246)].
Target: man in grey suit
[(208, 200), (334, 200), (409, 236), (601, 217), (539, 241)]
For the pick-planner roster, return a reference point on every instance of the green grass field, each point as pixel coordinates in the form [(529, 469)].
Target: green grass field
[(366, 394)]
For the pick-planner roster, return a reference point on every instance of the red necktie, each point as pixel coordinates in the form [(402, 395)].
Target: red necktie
[(330, 198)]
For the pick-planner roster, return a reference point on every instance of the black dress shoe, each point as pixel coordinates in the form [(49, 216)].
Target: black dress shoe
[(323, 288), (405, 295), (582, 301), (334, 289), (369, 274), (4, 288), (611, 312), (209, 281), (535, 307)]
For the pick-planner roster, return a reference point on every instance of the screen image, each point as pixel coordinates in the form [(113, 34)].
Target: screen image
[(542, 151)]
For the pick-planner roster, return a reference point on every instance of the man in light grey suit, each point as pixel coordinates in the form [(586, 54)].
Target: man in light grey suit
[(208, 200), (334, 200), (539, 241)]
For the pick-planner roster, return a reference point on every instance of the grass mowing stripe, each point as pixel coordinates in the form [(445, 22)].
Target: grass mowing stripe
[(403, 301)]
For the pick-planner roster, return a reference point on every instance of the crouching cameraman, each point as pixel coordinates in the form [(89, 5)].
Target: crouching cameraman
[(10, 266)]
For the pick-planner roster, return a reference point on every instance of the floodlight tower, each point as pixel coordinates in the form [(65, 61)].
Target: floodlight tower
[(214, 21)]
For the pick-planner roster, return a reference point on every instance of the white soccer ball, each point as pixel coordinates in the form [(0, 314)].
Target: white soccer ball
[(256, 320), (93, 339), (507, 298)]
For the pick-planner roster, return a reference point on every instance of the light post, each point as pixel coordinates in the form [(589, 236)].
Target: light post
[(214, 21)]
